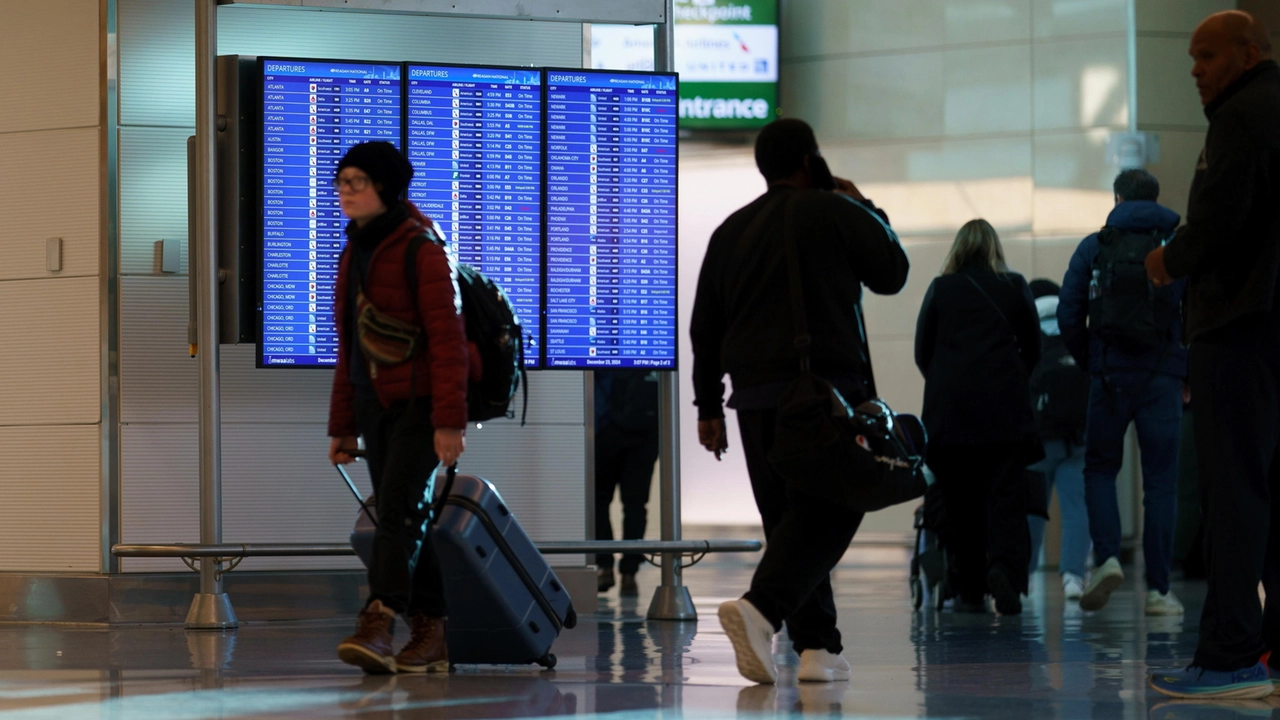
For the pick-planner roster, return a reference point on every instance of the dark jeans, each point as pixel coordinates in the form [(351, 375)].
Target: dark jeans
[(624, 463), (1153, 403), (1235, 385), (984, 491), (400, 450), (805, 539)]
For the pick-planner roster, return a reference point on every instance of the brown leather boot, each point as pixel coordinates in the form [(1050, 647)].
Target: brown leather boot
[(426, 651), (370, 647)]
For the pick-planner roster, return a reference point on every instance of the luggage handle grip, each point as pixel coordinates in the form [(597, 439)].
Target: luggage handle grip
[(438, 505)]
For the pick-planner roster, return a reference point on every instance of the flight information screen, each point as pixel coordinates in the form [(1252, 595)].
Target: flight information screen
[(611, 219), (475, 141), (313, 111)]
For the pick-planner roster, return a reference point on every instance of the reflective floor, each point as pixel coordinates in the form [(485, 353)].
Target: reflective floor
[(1049, 663)]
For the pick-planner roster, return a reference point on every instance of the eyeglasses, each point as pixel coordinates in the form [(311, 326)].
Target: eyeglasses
[(355, 183)]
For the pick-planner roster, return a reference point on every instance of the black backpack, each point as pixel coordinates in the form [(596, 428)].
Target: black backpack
[(1125, 309), (1059, 391), (494, 327)]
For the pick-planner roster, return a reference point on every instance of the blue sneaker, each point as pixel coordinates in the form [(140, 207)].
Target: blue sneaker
[(1251, 683)]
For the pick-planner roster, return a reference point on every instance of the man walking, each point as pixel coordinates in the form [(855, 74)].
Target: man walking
[(742, 325), (1230, 250), (1128, 336)]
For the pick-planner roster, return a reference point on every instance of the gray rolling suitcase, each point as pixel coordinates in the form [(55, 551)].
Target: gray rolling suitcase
[(506, 605)]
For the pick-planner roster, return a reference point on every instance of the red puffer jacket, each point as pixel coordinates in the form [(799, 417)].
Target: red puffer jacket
[(441, 370)]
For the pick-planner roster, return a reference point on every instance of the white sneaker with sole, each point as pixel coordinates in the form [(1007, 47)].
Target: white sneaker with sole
[(1072, 586), (1166, 604), (752, 637), (822, 666), (1105, 581)]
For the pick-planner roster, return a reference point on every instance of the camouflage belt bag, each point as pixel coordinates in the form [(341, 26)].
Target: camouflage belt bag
[(384, 339)]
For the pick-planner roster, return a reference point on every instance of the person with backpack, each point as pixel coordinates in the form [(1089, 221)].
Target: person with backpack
[(626, 408), (1060, 402), (977, 340), (401, 385), (1127, 334)]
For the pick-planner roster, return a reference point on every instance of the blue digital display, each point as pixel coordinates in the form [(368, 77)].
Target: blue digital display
[(611, 219), (475, 141), (313, 111)]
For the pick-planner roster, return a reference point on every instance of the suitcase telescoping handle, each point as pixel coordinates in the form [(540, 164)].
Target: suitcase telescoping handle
[(364, 506)]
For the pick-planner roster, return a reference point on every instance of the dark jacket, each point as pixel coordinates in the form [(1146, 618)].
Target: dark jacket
[(627, 400), (1230, 246), (976, 363), (440, 371), (1089, 350), (742, 320)]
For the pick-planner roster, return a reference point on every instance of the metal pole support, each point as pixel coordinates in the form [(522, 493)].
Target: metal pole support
[(211, 609), (671, 600)]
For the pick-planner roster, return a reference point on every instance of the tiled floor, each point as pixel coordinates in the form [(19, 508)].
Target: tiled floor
[(1049, 663)]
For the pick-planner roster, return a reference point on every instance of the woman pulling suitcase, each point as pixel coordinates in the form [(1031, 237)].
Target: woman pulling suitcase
[(401, 384)]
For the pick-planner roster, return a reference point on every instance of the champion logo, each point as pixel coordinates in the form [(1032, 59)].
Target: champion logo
[(863, 442)]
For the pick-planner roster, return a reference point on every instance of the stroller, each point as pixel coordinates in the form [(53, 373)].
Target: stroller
[(931, 561), (930, 566)]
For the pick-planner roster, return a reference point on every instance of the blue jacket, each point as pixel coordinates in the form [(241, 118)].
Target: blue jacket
[(1089, 350)]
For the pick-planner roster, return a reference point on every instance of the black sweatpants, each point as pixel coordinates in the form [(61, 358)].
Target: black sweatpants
[(400, 450), (984, 491), (624, 464), (805, 539), (1235, 385)]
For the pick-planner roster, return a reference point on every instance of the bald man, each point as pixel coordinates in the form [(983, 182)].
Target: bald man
[(1230, 250)]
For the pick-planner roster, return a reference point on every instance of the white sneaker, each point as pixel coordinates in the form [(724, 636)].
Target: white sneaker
[(822, 666), (752, 637), (1072, 586), (1166, 604), (1105, 581)]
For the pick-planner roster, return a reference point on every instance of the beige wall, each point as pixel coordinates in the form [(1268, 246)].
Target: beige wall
[(947, 110), (50, 346)]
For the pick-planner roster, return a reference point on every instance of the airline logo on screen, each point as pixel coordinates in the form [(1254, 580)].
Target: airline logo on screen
[(727, 57)]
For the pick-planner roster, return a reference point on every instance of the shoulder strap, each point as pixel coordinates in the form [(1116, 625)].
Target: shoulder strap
[(799, 320), (999, 312)]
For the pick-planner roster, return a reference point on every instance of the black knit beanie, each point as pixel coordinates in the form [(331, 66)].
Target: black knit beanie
[(384, 164)]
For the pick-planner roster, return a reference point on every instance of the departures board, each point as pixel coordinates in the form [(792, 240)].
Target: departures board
[(475, 142), (611, 219), (559, 185), (313, 111)]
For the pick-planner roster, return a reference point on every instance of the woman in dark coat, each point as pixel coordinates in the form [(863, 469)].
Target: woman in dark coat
[(977, 339)]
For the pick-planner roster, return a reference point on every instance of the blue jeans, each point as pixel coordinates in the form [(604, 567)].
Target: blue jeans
[(1063, 467), (1154, 405)]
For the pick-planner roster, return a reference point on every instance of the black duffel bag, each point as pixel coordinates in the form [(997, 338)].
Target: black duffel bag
[(864, 458)]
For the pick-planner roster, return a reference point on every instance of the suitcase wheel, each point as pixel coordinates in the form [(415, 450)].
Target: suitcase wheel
[(547, 661), (571, 618)]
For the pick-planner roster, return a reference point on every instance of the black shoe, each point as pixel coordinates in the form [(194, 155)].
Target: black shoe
[(604, 579), (629, 587), (1006, 597)]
